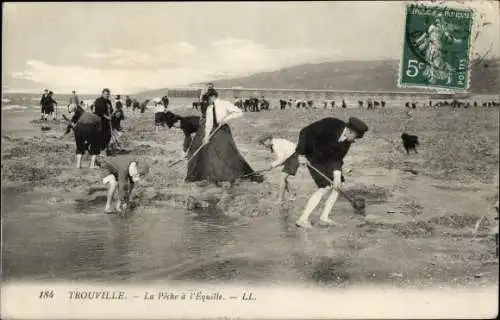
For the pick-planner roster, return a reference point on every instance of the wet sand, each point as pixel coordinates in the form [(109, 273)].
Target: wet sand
[(417, 231)]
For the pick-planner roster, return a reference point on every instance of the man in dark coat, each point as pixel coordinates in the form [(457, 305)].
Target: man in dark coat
[(43, 103), (104, 110), (128, 102), (165, 101), (323, 146)]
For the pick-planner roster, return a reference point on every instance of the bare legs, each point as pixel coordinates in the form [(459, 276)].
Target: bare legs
[(79, 161), (330, 202), (92, 161), (313, 202), (111, 180), (284, 187)]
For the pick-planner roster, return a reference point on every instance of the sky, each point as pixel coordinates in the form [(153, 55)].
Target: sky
[(130, 47)]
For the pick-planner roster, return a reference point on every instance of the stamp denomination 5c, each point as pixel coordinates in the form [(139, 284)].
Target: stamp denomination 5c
[(436, 49)]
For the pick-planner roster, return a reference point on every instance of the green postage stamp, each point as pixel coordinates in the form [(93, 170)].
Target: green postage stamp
[(436, 49)]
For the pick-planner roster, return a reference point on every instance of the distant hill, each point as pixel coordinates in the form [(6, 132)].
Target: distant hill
[(354, 75)]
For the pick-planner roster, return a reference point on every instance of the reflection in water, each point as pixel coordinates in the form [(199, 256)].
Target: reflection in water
[(154, 242)]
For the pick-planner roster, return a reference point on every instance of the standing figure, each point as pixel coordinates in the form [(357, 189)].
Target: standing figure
[(51, 105), (104, 110), (213, 154), (144, 105), (117, 116), (43, 104), (165, 101), (74, 101), (283, 104), (128, 102), (323, 146), (118, 103), (204, 98), (135, 104)]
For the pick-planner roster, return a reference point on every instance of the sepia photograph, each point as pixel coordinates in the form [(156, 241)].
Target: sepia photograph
[(319, 159)]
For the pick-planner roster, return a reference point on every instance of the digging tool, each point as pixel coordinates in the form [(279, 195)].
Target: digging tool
[(358, 203), (197, 150), (255, 172), (476, 227)]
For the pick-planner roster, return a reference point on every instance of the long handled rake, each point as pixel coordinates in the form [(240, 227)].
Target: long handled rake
[(357, 203)]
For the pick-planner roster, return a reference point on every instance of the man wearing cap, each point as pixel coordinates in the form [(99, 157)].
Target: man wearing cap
[(323, 146), (121, 172)]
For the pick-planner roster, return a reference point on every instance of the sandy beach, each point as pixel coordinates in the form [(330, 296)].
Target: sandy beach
[(417, 230)]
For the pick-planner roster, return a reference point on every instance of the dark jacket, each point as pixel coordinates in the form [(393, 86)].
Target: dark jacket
[(118, 105), (318, 142), (47, 101), (44, 101), (190, 124), (116, 119), (205, 102), (165, 101), (102, 107)]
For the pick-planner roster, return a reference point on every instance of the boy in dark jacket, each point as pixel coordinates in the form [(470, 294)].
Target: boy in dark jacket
[(323, 146)]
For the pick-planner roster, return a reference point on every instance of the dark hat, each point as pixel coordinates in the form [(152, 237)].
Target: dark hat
[(357, 125), (118, 97)]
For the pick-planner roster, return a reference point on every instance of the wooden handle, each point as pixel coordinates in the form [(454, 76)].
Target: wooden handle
[(331, 182)]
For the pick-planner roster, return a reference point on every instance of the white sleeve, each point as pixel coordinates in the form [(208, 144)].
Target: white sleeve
[(133, 172), (280, 153), (337, 175), (209, 120), (232, 110)]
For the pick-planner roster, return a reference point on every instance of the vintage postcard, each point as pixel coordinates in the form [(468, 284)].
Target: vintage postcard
[(250, 160)]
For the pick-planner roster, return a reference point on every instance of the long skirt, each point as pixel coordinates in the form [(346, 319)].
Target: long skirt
[(106, 133), (219, 160)]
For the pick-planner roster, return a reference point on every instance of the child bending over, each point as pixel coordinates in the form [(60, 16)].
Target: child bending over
[(286, 157)]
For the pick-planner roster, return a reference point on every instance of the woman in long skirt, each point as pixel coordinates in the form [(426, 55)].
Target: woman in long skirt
[(218, 159)]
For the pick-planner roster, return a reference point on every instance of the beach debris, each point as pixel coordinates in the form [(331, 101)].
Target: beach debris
[(476, 227), (411, 171)]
